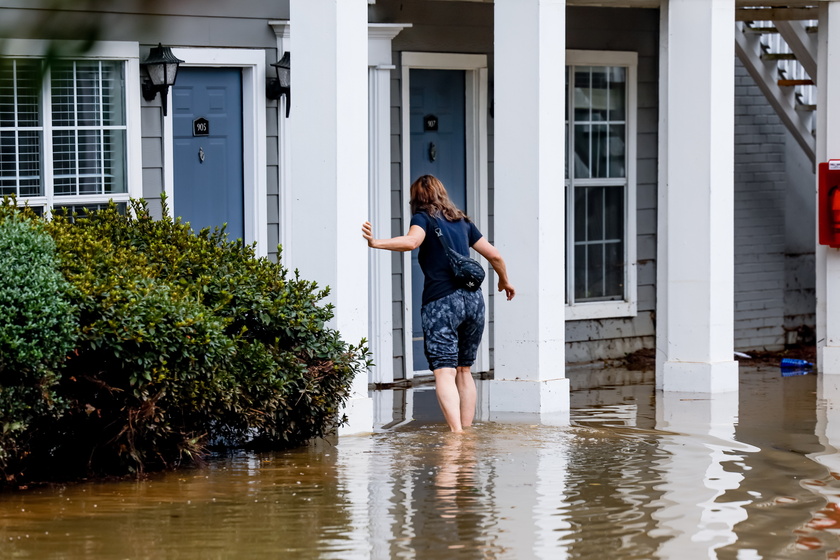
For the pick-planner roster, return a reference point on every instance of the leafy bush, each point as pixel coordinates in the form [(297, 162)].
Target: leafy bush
[(36, 331), (185, 339)]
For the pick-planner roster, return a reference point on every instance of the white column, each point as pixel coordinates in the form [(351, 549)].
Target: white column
[(695, 283), (381, 334), (828, 147), (530, 43), (329, 175)]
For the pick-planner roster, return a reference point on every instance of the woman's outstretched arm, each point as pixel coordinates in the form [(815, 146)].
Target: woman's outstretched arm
[(408, 242)]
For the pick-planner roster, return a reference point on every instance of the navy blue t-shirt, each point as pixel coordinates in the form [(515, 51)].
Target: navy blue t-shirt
[(461, 235)]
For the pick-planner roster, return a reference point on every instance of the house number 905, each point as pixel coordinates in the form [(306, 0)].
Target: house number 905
[(201, 127)]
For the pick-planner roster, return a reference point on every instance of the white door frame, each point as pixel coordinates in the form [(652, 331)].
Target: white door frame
[(252, 63), (475, 67)]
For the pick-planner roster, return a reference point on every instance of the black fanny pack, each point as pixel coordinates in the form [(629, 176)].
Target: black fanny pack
[(468, 272)]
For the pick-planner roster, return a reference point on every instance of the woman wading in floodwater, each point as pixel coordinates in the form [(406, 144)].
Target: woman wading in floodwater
[(452, 317)]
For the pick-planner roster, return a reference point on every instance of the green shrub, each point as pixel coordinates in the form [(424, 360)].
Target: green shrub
[(185, 339), (37, 330)]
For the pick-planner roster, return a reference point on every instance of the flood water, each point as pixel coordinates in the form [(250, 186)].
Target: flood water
[(629, 474)]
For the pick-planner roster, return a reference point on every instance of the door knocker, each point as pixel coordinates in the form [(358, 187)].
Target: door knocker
[(432, 151), (201, 154)]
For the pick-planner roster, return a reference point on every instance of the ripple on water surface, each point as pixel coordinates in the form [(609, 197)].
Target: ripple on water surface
[(634, 475)]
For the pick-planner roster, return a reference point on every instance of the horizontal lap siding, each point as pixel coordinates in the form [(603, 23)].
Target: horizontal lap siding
[(398, 226)]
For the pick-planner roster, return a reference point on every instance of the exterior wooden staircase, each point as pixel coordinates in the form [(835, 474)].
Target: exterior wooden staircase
[(779, 50)]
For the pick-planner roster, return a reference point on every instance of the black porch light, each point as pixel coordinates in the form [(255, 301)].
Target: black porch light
[(161, 68), (282, 84)]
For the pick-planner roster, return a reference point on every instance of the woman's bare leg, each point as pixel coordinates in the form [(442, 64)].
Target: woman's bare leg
[(466, 391), (448, 397)]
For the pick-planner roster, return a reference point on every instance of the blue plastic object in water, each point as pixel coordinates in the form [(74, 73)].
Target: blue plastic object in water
[(794, 363)]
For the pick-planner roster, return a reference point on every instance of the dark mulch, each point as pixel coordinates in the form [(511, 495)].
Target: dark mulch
[(645, 359), (771, 358)]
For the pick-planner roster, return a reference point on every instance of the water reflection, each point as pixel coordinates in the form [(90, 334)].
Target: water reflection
[(701, 472), (817, 532), (631, 474)]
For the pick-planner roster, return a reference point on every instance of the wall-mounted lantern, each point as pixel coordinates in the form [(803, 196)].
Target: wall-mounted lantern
[(282, 84), (161, 68)]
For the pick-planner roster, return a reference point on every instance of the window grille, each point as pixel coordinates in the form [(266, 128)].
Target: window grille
[(63, 131)]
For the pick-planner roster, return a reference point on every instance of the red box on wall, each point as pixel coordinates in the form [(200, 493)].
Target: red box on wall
[(828, 203)]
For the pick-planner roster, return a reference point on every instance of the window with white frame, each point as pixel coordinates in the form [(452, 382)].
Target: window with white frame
[(63, 133), (600, 184)]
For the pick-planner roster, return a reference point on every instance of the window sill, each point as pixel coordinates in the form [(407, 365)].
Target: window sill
[(600, 310)]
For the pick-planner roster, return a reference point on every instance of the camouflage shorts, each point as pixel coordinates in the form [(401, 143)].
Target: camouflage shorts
[(452, 329)]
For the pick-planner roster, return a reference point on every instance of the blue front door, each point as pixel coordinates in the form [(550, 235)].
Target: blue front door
[(207, 131), (437, 121)]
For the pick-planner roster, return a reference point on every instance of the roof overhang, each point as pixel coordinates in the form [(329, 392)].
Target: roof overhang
[(770, 4), (747, 10)]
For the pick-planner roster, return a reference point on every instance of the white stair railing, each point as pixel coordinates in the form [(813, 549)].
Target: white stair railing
[(780, 57)]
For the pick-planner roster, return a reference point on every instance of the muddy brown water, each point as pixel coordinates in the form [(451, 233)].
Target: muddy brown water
[(631, 473)]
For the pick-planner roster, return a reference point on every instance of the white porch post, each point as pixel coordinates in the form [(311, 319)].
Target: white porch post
[(695, 284), (828, 147), (530, 44), (329, 172), (380, 66)]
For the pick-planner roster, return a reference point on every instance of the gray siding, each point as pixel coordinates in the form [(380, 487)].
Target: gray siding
[(152, 157), (273, 180), (454, 27), (181, 23), (399, 224)]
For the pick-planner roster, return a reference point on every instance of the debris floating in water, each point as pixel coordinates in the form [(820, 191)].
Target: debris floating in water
[(794, 363), (792, 366)]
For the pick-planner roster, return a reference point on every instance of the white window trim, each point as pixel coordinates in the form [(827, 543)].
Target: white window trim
[(254, 143), (475, 67), (627, 307), (128, 52)]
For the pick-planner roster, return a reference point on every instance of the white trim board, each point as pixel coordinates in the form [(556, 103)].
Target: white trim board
[(475, 67), (254, 144)]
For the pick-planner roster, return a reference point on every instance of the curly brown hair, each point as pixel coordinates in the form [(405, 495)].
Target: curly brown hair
[(429, 195)]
